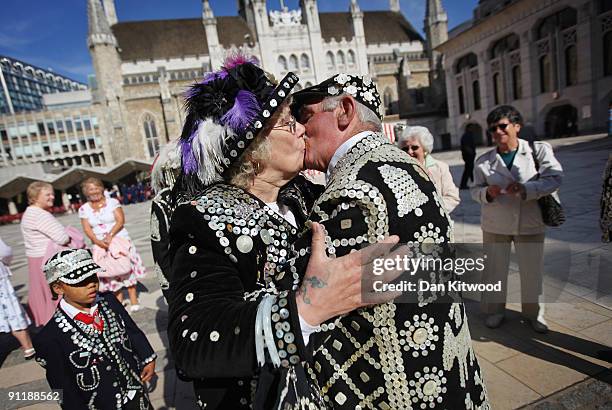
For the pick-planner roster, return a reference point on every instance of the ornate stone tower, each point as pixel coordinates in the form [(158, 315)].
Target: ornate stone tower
[(109, 10), (357, 16), (310, 17), (108, 95), (394, 5), (212, 37), (436, 29)]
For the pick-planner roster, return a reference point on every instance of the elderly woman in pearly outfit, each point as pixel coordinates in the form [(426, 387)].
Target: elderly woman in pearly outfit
[(418, 143)]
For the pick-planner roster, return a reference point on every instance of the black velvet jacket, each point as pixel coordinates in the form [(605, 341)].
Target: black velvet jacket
[(95, 371), (225, 247)]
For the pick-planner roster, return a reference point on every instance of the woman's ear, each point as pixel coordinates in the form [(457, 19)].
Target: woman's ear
[(57, 288), (347, 112)]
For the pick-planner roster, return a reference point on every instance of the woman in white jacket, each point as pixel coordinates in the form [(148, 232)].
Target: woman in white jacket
[(507, 186), (418, 143)]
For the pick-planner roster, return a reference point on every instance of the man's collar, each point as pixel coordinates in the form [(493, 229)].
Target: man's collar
[(72, 311), (343, 149)]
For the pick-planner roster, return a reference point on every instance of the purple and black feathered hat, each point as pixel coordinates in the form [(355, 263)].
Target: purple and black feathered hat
[(225, 111)]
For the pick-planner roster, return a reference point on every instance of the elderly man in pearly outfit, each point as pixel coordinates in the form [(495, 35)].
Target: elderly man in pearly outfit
[(391, 355)]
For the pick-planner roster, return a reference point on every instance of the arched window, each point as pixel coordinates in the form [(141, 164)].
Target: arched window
[(498, 96), (387, 99), (293, 63), (607, 53), (330, 60), (308, 84), (517, 85), (341, 59), (282, 63), (351, 58), (476, 94), (545, 74), (571, 66), (151, 137), (305, 62), (461, 100)]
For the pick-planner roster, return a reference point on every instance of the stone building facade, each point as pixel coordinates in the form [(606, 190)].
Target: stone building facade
[(552, 59), (142, 68)]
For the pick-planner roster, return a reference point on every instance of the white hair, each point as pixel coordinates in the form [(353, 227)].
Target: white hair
[(166, 166), (365, 115), (416, 132)]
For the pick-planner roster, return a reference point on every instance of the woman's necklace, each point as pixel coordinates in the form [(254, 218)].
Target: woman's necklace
[(98, 205)]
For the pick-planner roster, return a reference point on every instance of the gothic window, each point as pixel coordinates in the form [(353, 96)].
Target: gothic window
[(282, 64), (419, 97), (517, 85), (607, 53), (351, 58), (461, 100), (330, 60), (497, 89), (305, 62), (466, 62), (151, 138), (293, 63), (476, 94), (341, 59), (561, 20), (571, 66), (545, 74), (387, 99)]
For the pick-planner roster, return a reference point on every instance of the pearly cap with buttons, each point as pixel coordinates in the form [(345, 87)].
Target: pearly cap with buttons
[(70, 266), (361, 87)]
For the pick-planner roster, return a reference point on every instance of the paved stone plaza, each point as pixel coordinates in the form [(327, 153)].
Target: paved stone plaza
[(558, 370)]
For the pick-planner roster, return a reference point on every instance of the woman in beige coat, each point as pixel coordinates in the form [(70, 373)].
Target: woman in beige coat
[(418, 143)]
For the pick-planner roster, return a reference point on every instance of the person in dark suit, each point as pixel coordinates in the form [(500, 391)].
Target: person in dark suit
[(468, 153), (91, 348)]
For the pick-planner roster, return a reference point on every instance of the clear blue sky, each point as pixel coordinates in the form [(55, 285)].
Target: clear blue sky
[(53, 33)]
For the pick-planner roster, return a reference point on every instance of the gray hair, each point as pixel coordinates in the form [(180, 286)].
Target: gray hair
[(365, 115), (416, 132)]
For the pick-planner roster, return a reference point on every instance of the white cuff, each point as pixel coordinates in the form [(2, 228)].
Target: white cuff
[(307, 329)]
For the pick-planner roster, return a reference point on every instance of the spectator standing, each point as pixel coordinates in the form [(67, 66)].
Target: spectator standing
[(13, 318), (468, 153), (102, 219), (507, 185), (418, 143), (39, 227)]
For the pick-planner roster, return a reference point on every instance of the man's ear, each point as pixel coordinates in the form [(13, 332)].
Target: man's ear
[(347, 112)]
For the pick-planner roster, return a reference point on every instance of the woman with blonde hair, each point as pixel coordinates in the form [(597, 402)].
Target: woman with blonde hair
[(418, 143), (39, 227), (103, 220)]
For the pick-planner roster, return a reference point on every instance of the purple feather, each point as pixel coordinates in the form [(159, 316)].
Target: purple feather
[(190, 164), (245, 109)]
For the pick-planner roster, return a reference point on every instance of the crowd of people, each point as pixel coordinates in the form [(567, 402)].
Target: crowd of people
[(262, 268)]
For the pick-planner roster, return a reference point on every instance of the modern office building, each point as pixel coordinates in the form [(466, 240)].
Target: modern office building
[(22, 85)]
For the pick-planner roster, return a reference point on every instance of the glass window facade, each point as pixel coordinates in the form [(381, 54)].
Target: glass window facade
[(23, 85)]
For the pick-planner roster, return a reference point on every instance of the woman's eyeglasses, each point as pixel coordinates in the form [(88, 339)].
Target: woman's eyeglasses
[(292, 124), (411, 148), (501, 126)]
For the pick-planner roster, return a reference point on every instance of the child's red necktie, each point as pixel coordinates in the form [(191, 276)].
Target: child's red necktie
[(95, 320)]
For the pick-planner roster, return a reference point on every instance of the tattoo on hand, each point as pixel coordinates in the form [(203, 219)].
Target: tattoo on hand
[(314, 282)]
